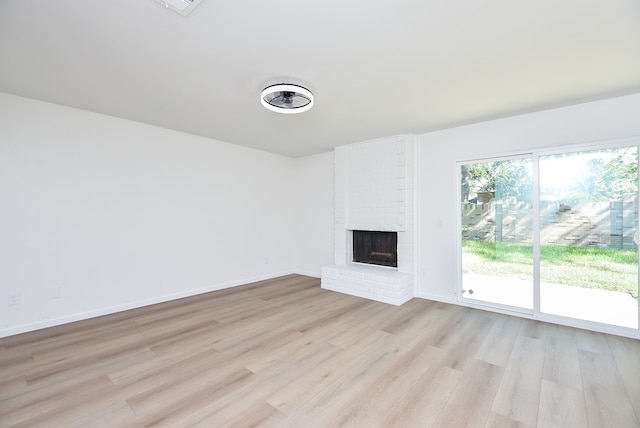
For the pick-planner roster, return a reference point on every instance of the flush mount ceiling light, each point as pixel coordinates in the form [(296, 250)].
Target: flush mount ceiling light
[(183, 7), (286, 98)]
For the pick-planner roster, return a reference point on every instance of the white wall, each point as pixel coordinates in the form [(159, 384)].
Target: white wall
[(119, 214), (314, 213), (438, 151)]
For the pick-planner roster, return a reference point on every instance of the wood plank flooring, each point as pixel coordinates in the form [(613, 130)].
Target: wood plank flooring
[(285, 353)]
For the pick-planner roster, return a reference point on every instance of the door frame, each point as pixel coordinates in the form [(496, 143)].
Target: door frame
[(535, 313)]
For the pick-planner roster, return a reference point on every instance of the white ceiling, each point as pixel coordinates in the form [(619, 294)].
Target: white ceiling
[(376, 68)]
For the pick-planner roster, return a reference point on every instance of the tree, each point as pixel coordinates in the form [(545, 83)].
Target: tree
[(505, 178), (602, 175), (608, 175), (620, 174)]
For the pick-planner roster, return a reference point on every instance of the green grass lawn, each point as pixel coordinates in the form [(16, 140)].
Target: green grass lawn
[(592, 267)]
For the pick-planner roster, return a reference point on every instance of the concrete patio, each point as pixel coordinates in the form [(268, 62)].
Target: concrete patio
[(609, 307)]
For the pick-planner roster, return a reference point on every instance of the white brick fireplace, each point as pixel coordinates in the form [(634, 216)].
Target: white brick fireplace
[(374, 191)]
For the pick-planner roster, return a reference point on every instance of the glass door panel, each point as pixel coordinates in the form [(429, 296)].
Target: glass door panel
[(496, 233), (588, 235)]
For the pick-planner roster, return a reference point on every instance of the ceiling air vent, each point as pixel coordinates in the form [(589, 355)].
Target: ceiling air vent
[(183, 7)]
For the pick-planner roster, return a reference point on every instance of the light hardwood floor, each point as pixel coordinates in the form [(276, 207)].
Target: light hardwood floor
[(285, 353)]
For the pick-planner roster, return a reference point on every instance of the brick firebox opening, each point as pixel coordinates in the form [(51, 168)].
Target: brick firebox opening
[(376, 248)]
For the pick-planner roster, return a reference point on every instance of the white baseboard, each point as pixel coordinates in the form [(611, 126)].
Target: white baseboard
[(25, 328), (308, 273), (436, 297)]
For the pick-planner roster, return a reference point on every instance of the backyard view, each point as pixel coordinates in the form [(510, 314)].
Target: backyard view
[(587, 230), (603, 268)]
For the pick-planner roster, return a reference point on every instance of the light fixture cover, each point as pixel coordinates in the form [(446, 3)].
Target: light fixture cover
[(286, 98), (183, 7)]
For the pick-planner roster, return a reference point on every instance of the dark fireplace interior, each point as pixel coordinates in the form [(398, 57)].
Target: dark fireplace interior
[(377, 248)]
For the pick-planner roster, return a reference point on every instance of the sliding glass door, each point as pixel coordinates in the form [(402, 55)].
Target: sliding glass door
[(588, 231), (552, 234), (496, 216)]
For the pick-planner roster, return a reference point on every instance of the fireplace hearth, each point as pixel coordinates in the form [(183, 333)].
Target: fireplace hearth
[(375, 248)]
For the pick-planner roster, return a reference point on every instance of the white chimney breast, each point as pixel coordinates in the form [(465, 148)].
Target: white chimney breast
[(374, 185)]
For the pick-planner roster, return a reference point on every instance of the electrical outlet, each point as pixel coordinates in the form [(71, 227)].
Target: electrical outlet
[(54, 293), (13, 299)]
